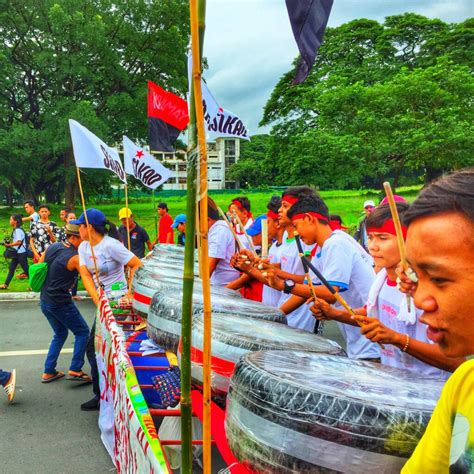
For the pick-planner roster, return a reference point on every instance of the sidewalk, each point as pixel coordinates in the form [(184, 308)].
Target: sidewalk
[(29, 295)]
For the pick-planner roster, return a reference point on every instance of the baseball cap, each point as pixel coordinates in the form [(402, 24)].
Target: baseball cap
[(368, 203), (396, 198), (72, 229), (94, 216), (163, 205), (179, 219), (256, 227), (124, 213)]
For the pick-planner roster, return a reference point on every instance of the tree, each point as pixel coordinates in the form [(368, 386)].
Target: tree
[(87, 60), (380, 102)]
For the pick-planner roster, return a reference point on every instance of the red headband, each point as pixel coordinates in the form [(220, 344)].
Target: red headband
[(289, 198), (239, 205), (272, 215), (314, 214), (387, 228)]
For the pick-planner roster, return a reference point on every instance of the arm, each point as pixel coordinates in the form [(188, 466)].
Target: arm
[(213, 264), (431, 354), (132, 265), (239, 282), (73, 264), (27, 218), (170, 237), (323, 311), (33, 248), (89, 283), (149, 245)]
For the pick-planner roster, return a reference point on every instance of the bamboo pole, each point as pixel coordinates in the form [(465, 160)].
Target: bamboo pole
[(154, 214), (188, 274), (128, 212), (197, 10), (83, 202), (398, 231)]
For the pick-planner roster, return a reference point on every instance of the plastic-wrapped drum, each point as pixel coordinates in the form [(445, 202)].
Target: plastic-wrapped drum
[(303, 412), (235, 336)]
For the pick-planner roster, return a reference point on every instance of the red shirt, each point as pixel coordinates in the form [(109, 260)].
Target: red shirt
[(164, 228)]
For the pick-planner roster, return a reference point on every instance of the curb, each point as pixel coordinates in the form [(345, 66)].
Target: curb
[(30, 295)]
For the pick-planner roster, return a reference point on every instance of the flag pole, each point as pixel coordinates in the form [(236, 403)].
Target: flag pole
[(83, 202), (154, 213), (128, 212), (197, 14)]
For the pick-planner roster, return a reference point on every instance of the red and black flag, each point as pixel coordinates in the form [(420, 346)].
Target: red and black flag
[(167, 116), (308, 20)]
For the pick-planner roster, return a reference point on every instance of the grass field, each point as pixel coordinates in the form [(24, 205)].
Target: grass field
[(347, 204)]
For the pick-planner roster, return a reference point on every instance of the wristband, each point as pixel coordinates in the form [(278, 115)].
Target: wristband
[(407, 343)]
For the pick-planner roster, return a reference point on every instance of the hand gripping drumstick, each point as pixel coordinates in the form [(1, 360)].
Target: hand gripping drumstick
[(334, 292), (231, 227), (398, 231), (249, 240)]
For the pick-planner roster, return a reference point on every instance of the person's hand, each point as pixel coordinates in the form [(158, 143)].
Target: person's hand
[(374, 330), (240, 262), (272, 279), (406, 280), (322, 310)]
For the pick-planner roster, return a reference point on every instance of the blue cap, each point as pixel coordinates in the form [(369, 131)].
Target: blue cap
[(179, 219), (94, 216), (256, 227)]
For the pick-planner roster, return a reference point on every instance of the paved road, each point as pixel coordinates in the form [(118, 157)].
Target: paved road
[(44, 431)]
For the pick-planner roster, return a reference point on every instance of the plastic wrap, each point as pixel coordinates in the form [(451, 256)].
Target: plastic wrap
[(303, 412), (234, 336), (176, 251), (164, 316)]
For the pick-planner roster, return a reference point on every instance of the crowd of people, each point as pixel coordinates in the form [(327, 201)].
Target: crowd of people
[(264, 258)]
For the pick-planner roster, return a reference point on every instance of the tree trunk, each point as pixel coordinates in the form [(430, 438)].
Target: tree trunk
[(431, 174), (70, 179), (9, 195)]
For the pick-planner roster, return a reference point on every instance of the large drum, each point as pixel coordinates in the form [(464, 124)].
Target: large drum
[(309, 413), (234, 336)]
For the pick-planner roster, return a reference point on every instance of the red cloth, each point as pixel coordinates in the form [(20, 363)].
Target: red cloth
[(167, 106), (164, 228), (252, 290)]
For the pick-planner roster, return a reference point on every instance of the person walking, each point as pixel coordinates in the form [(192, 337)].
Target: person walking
[(16, 250), (60, 311), (111, 259), (138, 235), (8, 381), (32, 216), (42, 233)]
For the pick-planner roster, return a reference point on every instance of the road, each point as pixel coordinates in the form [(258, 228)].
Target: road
[(44, 430)]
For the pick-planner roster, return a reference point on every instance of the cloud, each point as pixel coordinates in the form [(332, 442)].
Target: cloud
[(249, 44)]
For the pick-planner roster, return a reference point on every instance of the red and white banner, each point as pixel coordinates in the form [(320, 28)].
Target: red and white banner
[(143, 166), (91, 152), (126, 426)]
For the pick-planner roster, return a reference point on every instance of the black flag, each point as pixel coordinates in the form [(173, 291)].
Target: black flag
[(308, 20), (161, 135)]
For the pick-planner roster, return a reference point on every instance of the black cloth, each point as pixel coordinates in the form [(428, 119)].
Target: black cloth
[(138, 238), (161, 135), (181, 238), (59, 280)]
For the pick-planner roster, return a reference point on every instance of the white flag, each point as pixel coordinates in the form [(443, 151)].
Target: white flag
[(91, 152), (143, 166), (220, 122)]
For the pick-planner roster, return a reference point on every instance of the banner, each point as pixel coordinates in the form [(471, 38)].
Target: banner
[(127, 428), (143, 166), (221, 122), (91, 152)]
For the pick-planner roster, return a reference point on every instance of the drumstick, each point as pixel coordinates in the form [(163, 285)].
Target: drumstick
[(249, 240), (335, 293), (231, 227), (264, 238), (398, 231)]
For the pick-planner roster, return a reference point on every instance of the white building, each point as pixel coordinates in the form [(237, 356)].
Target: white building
[(221, 154)]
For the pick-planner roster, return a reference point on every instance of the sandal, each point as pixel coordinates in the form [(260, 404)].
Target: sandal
[(3, 287), (10, 386), (47, 378), (78, 376)]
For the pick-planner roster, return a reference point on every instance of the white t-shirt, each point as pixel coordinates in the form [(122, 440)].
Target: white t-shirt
[(290, 262), (344, 263), (388, 307), (270, 296), (222, 246), (19, 234), (111, 256), (34, 218)]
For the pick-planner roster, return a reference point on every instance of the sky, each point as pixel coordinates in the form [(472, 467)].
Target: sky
[(249, 44)]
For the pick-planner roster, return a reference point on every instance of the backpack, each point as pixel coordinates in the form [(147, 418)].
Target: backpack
[(38, 272)]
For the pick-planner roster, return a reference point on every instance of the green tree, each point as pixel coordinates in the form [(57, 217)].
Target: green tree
[(380, 102), (87, 60)]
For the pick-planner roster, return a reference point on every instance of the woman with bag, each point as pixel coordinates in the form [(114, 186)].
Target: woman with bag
[(16, 250)]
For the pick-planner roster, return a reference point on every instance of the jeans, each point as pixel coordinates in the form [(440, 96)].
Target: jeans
[(63, 318), (90, 351), (4, 377), (20, 259)]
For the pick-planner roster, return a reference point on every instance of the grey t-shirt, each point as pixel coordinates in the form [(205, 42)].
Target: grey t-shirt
[(111, 258)]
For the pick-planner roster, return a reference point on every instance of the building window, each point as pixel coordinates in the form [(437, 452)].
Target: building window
[(229, 148), (181, 167), (182, 180)]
